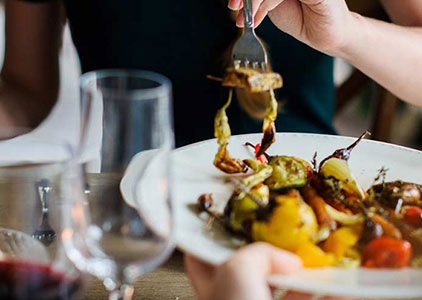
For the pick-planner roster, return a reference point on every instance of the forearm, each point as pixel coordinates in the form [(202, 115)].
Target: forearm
[(389, 54), (22, 110), (29, 79)]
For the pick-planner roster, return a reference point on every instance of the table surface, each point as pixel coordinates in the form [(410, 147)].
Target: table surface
[(167, 282)]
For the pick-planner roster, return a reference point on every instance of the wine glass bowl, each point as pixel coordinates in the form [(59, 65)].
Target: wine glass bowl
[(124, 113)]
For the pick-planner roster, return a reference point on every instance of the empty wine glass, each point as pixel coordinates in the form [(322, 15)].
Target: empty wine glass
[(124, 228), (33, 264)]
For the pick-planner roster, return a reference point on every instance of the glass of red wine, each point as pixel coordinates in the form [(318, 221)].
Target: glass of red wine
[(33, 264), (124, 228)]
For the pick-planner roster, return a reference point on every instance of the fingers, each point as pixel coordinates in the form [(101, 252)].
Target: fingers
[(255, 6), (198, 269), (244, 275), (260, 9), (266, 259), (263, 10), (200, 274), (235, 4)]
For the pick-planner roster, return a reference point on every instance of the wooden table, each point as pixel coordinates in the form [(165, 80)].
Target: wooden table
[(167, 282)]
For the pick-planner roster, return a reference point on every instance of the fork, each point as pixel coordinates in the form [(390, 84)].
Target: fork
[(249, 51), (45, 234)]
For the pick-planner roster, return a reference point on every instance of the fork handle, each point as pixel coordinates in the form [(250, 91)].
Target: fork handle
[(247, 11)]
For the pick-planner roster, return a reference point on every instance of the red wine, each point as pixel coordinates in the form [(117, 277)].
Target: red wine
[(23, 280)]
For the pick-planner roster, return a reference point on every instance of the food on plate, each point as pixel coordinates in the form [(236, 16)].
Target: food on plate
[(268, 127), (322, 214), (222, 132), (387, 252), (290, 223), (255, 80), (397, 194)]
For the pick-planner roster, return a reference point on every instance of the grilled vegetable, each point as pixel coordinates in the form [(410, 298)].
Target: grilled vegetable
[(413, 216), (388, 228), (252, 79), (313, 257), (344, 153), (336, 166), (371, 230), (319, 206), (222, 132), (287, 173), (268, 127), (262, 172), (387, 252), (243, 208), (343, 218), (290, 224), (396, 194), (339, 169), (262, 158), (343, 239)]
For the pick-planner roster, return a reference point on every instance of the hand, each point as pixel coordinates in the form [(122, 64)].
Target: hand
[(244, 276), (326, 25)]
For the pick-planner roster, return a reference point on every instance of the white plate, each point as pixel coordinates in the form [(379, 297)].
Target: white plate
[(144, 187), (194, 174)]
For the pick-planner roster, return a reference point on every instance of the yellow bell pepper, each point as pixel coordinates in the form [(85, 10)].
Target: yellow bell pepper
[(291, 224), (313, 257), (343, 239)]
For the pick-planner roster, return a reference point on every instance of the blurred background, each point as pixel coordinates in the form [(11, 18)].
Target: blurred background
[(364, 105), (361, 103)]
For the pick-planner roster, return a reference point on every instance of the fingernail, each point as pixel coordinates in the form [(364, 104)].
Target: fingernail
[(234, 4)]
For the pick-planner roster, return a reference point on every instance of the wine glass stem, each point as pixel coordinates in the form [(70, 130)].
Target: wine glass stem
[(124, 292)]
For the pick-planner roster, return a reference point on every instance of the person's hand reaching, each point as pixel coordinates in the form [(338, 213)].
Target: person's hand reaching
[(244, 276), (325, 25)]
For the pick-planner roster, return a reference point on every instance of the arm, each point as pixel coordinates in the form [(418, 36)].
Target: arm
[(30, 75), (390, 54)]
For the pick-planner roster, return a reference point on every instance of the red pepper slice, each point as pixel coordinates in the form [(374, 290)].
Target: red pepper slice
[(262, 158), (413, 216)]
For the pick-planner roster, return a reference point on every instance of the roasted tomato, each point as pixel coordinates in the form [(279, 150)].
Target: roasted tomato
[(387, 252), (413, 216)]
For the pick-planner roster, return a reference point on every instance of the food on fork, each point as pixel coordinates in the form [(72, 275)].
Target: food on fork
[(255, 80), (321, 213)]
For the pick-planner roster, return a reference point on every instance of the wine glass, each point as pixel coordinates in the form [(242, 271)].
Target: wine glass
[(124, 228), (33, 264)]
